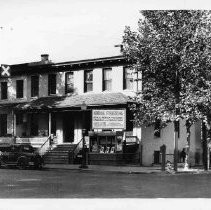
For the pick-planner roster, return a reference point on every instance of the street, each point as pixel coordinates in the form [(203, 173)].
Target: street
[(82, 184)]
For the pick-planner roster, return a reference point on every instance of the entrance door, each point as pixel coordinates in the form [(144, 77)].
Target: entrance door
[(156, 157), (68, 127)]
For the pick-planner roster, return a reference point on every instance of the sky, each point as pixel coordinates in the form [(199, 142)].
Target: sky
[(69, 30)]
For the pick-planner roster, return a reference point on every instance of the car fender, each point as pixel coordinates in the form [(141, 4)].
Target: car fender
[(23, 158)]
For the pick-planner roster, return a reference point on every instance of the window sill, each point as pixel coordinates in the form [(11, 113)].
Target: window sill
[(34, 97), (52, 94)]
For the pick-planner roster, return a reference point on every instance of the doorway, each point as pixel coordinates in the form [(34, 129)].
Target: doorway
[(156, 157), (68, 127)]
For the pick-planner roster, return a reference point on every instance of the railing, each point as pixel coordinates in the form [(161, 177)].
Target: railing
[(75, 150), (44, 147)]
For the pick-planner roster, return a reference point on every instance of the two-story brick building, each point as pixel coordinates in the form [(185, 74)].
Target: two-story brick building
[(43, 98)]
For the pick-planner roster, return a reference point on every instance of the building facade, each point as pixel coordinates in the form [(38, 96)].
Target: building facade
[(63, 100)]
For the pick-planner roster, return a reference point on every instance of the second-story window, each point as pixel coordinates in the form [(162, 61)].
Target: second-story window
[(88, 81), (3, 90), (51, 84), (69, 83), (107, 79), (34, 86), (128, 78), (19, 89), (3, 124)]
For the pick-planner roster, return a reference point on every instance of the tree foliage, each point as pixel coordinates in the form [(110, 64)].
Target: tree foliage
[(172, 49)]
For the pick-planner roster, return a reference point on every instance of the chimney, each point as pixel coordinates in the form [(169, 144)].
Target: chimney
[(44, 58)]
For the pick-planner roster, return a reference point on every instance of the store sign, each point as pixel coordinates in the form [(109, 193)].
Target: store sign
[(131, 139), (108, 119)]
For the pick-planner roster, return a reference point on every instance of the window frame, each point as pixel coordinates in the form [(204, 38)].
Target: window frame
[(125, 79), (107, 80), (51, 86), (19, 88), (35, 86), (3, 121), (4, 92), (66, 84), (157, 128), (88, 82)]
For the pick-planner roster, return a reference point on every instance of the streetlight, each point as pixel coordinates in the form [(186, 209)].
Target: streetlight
[(83, 109)]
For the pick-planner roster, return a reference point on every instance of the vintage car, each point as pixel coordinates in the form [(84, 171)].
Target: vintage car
[(20, 155)]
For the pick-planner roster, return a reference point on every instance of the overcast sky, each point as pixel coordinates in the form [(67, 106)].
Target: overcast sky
[(68, 29)]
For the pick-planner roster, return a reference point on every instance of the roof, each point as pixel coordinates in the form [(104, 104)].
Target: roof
[(40, 67), (9, 105), (62, 102)]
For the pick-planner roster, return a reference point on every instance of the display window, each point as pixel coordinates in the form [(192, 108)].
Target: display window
[(105, 143)]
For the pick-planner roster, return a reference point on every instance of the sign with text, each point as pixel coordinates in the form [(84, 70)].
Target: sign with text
[(108, 118)]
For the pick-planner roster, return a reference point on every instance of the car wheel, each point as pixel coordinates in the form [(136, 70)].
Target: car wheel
[(22, 164)]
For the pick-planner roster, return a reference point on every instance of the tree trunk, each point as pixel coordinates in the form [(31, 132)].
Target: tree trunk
[(188, 125), (176, 129), (204, 146)]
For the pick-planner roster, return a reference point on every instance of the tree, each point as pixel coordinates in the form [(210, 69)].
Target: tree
[(172, 50)]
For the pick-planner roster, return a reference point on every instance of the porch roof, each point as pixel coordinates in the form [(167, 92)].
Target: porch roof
[(8, 105), (75, 101)]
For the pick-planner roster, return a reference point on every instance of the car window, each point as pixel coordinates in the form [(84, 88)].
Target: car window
[(15, 148), (27, 148)]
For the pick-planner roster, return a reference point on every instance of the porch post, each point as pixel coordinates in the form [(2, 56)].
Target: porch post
[(14, 123), (49, 123)]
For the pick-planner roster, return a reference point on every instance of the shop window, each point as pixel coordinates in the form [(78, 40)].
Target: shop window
[(51, 84), (34, 125), (157, 128), (19, 119), (88, 81), (35, 86), (106, 143), (107, 79), (19, 89), (3, 124), (127, 78), (69, 83), (3, 90)]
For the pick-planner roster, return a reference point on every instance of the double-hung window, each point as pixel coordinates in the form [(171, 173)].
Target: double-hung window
[(51, 84), (3, 90), (107, 79), (3, 124), (19, 89), (35, 86), (128, 78), (88, 81), (69, 83)]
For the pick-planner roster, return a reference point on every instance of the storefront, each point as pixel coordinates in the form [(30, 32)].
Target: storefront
[(109, 142)]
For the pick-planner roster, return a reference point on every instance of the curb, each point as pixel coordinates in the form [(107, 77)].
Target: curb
[(127, 172), (103, 171)]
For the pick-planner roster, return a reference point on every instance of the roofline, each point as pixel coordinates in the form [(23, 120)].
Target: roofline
[(119, 57), (74, 62)]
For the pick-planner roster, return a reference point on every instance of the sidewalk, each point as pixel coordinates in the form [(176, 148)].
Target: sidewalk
[(121, 169)]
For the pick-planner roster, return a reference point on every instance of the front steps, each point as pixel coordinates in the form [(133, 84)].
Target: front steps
[(61, 154)]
